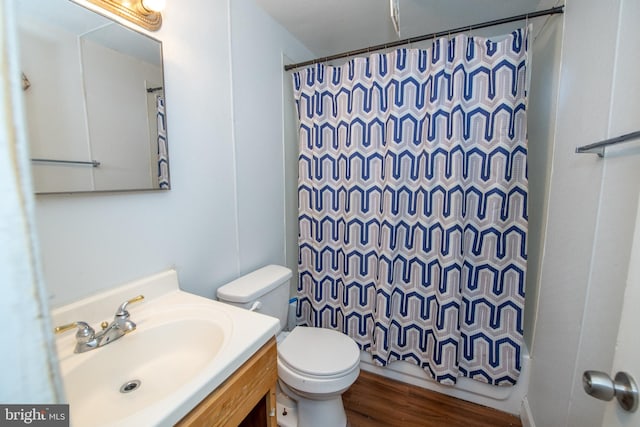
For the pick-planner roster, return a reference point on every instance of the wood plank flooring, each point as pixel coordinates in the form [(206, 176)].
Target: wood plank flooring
[(375, 401)]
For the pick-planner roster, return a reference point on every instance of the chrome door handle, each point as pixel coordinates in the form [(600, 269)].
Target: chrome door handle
[(622, 387)]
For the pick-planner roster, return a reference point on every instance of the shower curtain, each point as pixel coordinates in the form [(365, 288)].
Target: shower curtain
[(163, 154), (413, 204)]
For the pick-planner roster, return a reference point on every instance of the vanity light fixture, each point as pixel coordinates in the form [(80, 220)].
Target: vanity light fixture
[(154, 5), (145, 13)]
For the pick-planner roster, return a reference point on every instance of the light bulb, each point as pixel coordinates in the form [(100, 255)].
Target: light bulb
[(154, 5)]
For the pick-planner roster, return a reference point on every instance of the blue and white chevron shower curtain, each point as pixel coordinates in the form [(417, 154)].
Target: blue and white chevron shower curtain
[(163, 152), (413, 204)]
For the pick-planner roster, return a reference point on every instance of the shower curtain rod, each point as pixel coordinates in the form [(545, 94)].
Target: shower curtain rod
[(552, 11)]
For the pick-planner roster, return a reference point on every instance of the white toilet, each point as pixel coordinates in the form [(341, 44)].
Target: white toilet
[(315, 365)]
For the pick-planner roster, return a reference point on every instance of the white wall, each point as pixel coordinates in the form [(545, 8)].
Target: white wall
[(541, 120), (224, 213), (291, 152), (258, 45), (591, 211)]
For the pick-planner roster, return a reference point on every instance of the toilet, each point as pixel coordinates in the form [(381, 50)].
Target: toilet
[(315, 365)]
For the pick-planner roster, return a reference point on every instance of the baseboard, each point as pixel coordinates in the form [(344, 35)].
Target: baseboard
[(526, 417)]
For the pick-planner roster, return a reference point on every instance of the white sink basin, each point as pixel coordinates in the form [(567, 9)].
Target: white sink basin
[(183, 348), (151, 362)]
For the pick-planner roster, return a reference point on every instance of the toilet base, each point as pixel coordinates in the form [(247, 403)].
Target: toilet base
[(303, 412), (321, 413), (287, 410)]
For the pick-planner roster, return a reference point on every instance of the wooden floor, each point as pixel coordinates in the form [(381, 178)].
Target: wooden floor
[(375, 401)]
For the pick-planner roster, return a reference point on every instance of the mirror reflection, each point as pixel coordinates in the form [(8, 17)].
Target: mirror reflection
[(94, 100)]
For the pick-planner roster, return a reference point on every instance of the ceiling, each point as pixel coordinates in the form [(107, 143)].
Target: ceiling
[(333, 26)]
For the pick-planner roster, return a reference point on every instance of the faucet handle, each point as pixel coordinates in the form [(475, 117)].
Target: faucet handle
[(85, 332), (122, 310), (121, 319)]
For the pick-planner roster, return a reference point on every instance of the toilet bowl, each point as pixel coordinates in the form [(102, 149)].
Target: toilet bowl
[(315, 365)]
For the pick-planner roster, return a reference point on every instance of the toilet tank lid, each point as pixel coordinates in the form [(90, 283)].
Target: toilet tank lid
[(255, 284)]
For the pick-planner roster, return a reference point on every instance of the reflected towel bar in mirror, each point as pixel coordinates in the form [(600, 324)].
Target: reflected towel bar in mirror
[(93, 163), (598, 147)]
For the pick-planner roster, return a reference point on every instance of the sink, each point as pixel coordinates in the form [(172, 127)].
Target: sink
[(149, 363), (184, 346)]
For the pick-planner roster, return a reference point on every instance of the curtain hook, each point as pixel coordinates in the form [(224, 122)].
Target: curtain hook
[(26, 84)]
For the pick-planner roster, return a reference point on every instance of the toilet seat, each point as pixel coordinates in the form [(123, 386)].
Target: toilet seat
[(319, 352), (317, 360)]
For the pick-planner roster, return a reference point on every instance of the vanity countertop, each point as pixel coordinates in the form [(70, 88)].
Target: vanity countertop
[(184, 347)]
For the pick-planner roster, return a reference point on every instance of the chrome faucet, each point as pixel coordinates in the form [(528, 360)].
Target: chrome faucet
[(86, 337)]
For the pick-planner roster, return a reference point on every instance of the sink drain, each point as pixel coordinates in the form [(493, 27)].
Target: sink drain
[(130, 386)]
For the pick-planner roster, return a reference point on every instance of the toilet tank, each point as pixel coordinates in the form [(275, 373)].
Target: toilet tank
[(267, 289)]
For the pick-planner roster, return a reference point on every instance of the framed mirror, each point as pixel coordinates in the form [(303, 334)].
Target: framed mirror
[(94, 101)]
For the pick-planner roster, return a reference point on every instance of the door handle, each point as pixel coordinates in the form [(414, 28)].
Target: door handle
[(622, 387)]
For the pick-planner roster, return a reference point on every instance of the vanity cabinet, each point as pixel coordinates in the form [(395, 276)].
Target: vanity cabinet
[(247, 398)]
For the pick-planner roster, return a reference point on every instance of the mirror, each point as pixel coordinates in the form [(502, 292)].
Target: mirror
[(94, 101)]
